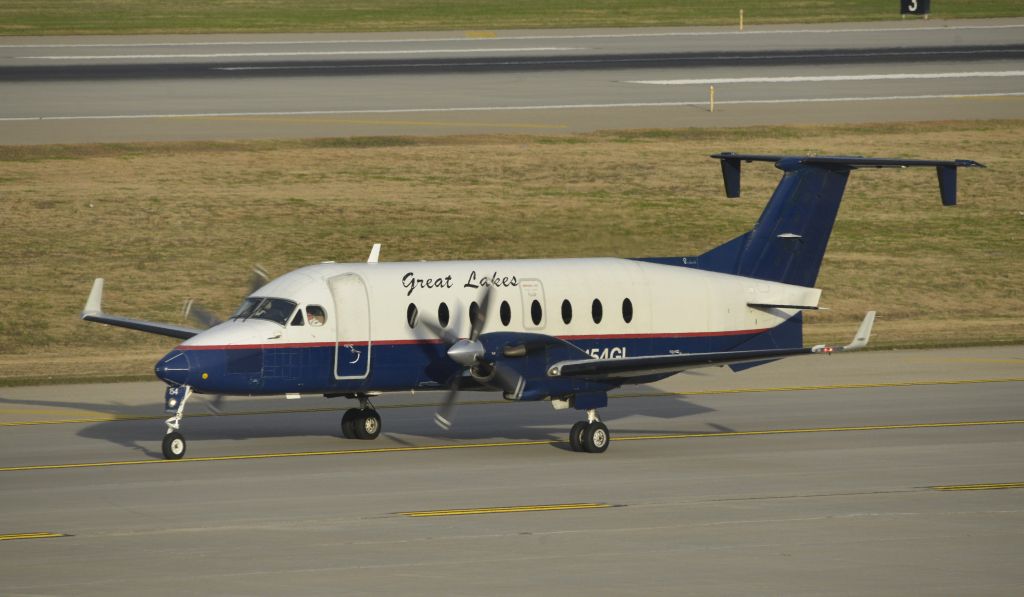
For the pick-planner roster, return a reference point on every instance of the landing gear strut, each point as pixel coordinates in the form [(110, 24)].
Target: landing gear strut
[(362, 422), (589, 436), (173, 445)]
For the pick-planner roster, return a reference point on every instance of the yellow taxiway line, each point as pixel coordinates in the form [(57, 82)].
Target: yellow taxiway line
[(42, 535), (113, 418), (395, 449), (503, 510), (978, 487)]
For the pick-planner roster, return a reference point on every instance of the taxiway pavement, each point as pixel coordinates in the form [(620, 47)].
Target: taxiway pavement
[(896, 472), (88, 89)]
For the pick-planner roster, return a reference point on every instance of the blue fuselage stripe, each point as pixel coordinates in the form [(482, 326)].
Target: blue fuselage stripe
[(399, 366)]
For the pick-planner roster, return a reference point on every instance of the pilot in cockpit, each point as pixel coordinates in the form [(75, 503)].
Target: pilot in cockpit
[(315, 315)]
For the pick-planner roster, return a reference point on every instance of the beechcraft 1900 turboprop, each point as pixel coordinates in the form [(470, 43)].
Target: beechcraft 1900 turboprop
[(564, 330)]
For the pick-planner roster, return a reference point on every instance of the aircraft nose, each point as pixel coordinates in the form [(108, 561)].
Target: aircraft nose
[(174, 368)]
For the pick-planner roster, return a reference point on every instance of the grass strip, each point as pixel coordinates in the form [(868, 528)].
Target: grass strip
[(166, 221), (50, 17)]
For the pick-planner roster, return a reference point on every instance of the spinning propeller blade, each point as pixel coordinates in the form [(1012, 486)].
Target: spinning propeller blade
[(443, 415), (258, 278), (207, 318), (200, 315), (469, 353)]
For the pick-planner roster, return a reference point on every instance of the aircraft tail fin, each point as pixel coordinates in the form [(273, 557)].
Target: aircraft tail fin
[(789, 240)]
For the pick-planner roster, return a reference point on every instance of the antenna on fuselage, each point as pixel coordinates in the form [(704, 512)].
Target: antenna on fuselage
[(374, 254)]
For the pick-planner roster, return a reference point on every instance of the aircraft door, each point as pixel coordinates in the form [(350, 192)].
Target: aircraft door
[(352, 317)]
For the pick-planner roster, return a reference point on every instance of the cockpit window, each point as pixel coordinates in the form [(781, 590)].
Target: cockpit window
[(271, 309), (316, 315), (246, 309), (297, 320)]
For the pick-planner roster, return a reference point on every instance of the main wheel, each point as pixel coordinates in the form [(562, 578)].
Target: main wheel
[(173, 446), (367, 424), (596, 437), (576, 436), (348, 423)]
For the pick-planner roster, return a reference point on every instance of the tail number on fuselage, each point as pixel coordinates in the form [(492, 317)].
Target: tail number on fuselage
[(613, 352)]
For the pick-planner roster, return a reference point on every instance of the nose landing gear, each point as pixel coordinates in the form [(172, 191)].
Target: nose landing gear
[(173, 445)]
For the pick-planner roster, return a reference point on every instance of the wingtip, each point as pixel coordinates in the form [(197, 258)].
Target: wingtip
[(863, 332), (94, 305)]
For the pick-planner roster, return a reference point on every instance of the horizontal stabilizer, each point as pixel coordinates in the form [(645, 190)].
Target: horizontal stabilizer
[(946, 169)]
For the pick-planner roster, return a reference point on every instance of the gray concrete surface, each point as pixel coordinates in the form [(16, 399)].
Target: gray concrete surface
[(225, 87), (843, 502)]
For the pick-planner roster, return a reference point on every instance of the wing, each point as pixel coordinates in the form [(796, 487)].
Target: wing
[(634, 367), (94, 312)]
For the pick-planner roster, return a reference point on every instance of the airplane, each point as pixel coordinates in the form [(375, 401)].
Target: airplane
[(563, 330)]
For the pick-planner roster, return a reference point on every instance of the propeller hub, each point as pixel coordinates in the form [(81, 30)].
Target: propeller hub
[(466, 352)]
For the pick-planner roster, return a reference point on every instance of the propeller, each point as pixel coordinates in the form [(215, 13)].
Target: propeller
[(258, 278), (200, 315), (215, 405), (207, 318), (470, 354)]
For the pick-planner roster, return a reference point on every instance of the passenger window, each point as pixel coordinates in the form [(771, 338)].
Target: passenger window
[(443, 315), (474, 312), (412, 315), (506, 313), (597, 311), (536, 313), (316, 315), (566, 311), (297, 320), (627, 310)]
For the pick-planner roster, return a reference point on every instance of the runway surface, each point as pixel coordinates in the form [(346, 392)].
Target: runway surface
[(86, 89), (895, 472)]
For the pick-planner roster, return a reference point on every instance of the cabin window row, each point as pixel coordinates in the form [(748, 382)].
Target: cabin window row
[(505, 312)]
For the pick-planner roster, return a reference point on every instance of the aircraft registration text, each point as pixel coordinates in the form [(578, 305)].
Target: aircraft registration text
[(614, 352)]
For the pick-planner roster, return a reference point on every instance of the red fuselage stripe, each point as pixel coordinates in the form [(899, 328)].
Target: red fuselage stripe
[(429, 341)]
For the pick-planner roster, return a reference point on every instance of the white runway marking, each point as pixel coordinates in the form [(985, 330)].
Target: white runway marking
[(820, 78), (417, 40), (294, 54), (512, 108)]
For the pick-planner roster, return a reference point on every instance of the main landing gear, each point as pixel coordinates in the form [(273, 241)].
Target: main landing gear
[(362, 422), (589, 436), (174, 442)]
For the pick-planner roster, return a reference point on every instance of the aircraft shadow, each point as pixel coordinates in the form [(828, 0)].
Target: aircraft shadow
[(511, 422)]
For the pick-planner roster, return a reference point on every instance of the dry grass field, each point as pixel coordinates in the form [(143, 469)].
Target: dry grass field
[(53, 17), (162, 222)]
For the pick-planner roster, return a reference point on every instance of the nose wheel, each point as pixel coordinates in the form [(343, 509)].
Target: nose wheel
[(173, 446), (589, 436)]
